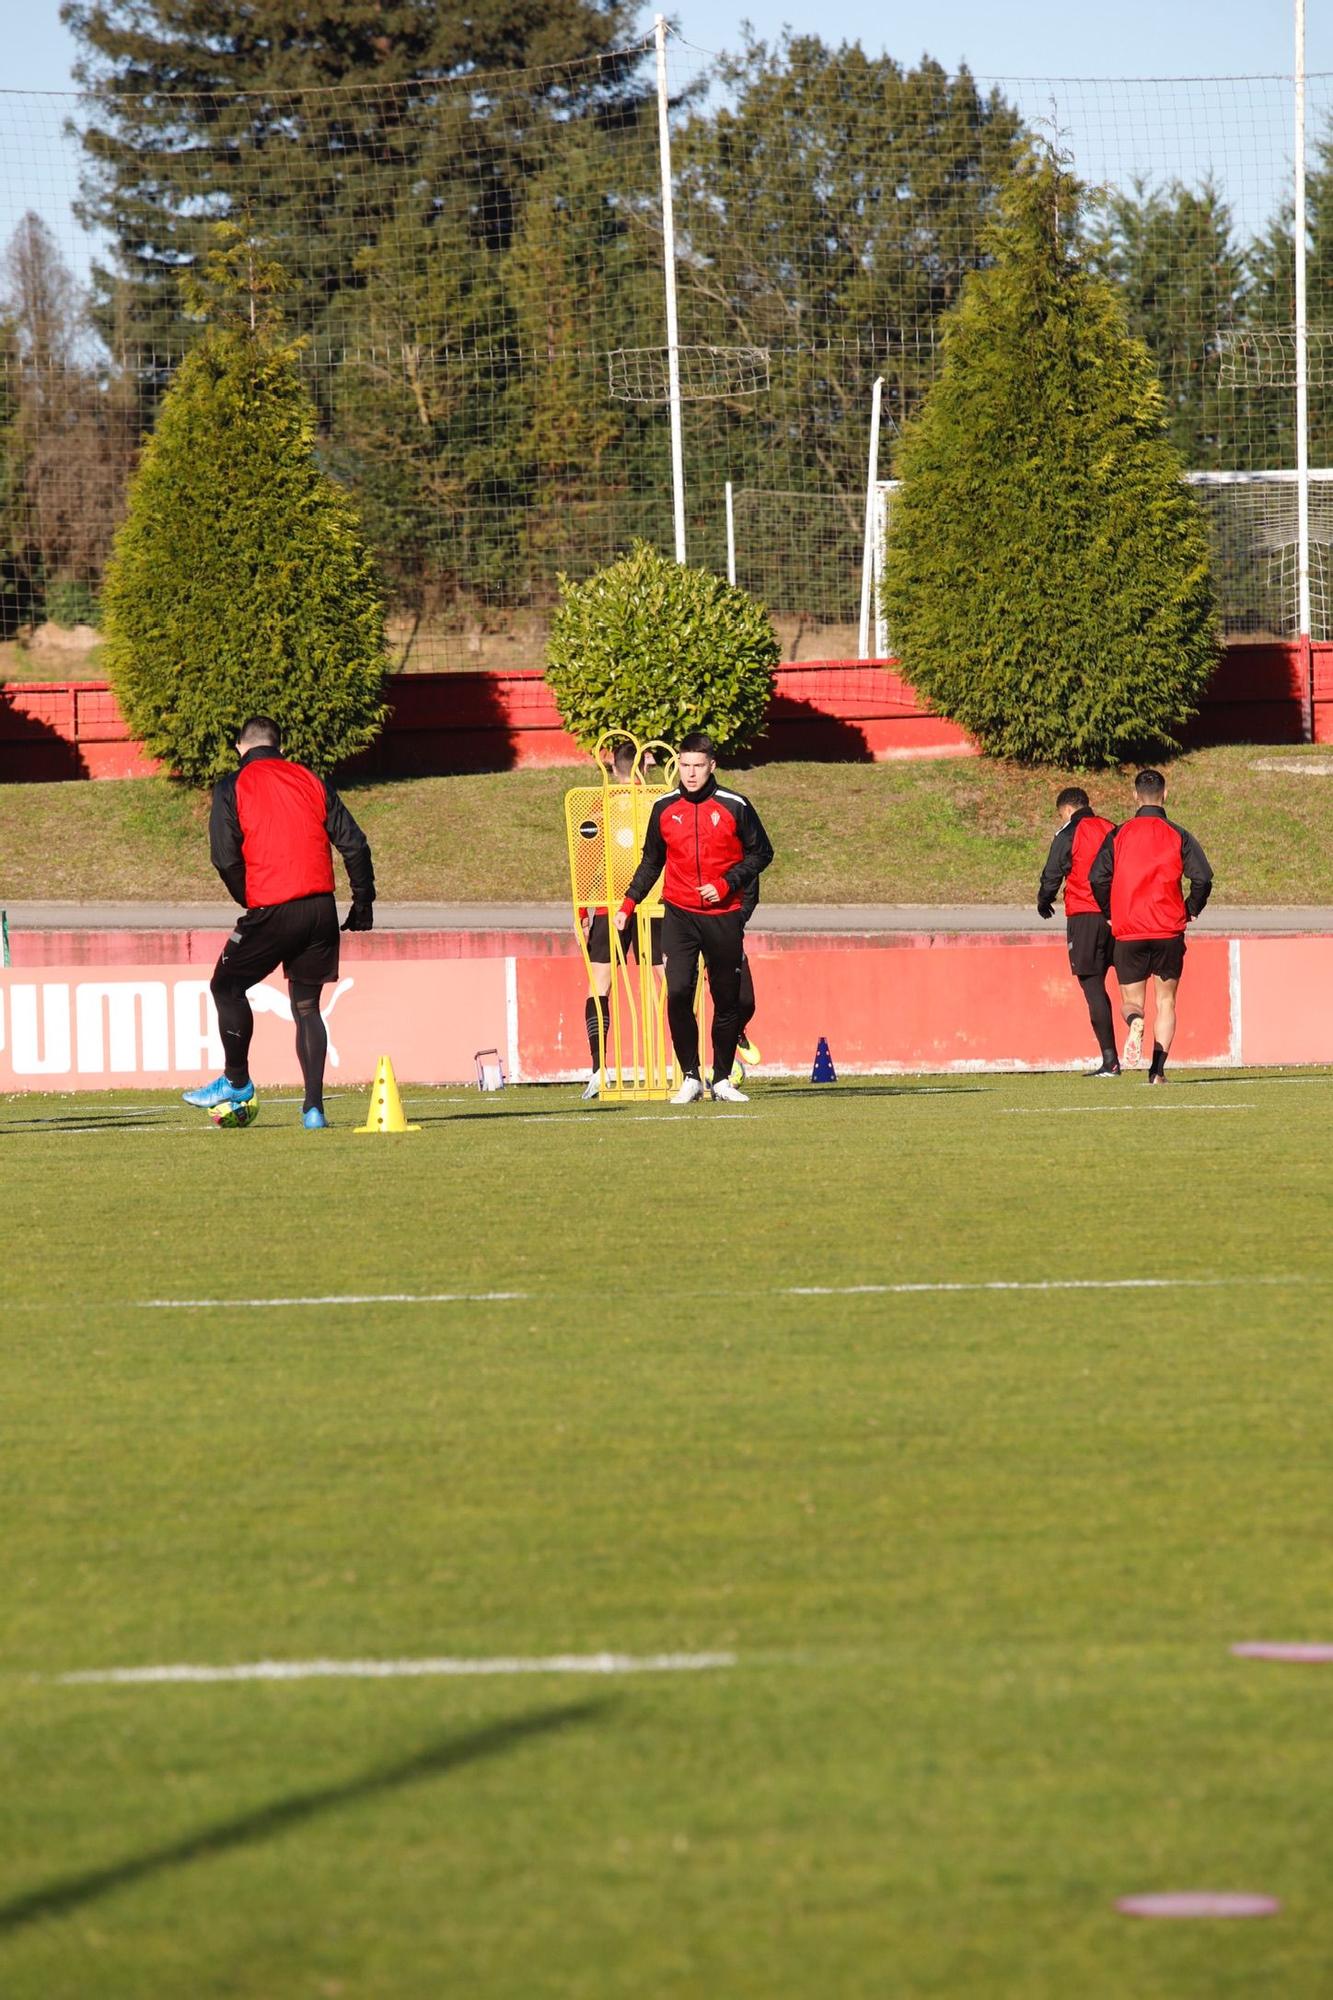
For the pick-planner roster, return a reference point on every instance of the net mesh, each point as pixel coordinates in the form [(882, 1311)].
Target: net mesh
[(475, 266)]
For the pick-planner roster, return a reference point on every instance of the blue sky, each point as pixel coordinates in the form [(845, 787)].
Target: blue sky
[(1040, 38)]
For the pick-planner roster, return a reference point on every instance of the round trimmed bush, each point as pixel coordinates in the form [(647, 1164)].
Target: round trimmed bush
[(239, 581), (653, 647)]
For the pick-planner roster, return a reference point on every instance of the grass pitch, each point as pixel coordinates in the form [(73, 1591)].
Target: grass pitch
[(979, 1555)]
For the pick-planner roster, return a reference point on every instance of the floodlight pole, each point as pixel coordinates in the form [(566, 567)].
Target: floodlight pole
[(731, 537), (1300, 231), (868, 550), (669, 265)]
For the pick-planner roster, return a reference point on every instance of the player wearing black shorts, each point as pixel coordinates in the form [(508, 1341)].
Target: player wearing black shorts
[(1087, 932), (1136, 879), (709, 846), (269, 834)]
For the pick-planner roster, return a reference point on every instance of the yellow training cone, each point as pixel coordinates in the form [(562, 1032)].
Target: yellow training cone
[(385, 1113)]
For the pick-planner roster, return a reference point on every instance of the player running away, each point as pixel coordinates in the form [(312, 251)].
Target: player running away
[(713, 848), (1136, 880), (1087, 932), (269, 834)]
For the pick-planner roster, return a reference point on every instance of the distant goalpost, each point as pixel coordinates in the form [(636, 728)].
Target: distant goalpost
[(1255, 534)]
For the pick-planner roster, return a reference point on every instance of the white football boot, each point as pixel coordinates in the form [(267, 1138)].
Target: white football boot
[(727, 1093), (690, 1091)]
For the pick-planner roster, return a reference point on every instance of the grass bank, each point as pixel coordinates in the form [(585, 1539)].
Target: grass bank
[(940, 831)]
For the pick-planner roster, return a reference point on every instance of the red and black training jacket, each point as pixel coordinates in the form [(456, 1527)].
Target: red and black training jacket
[(269, 834), (1070, 860), (1136, 876), (709, 836)]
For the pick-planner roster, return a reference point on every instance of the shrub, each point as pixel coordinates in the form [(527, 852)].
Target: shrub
[(1046, 580), (70, 602), (650, 646), (239, 581)]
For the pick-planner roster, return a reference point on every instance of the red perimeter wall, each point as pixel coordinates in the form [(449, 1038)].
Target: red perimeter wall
[(823, 710), (101, 1010)]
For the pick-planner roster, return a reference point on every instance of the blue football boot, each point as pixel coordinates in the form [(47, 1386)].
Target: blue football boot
[(314, 1120), (219, 1092)]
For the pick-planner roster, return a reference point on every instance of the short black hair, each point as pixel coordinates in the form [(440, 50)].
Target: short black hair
[(623, 756), (259, 729), (1072, 795), (697, 743), (1150, 785)]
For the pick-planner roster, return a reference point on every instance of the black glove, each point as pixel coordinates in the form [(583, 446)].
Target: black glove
[(361, 917), (1046, 910)]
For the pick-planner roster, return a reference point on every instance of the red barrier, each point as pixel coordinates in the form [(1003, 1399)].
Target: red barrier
[(827, 710), (137, 1010)]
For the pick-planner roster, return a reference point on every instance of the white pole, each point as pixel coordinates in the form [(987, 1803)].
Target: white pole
[(881, 537), (669, 263), (1302, 385), (868, 550), (731, 538)]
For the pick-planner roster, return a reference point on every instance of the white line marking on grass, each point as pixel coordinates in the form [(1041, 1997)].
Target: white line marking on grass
[(341, 1299), (1031, 1285), (383, 1670), (1078, 1110)]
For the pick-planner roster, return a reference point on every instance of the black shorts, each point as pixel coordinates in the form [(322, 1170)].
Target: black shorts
[(1137, 958), (1089, 938), (302, 937), (599, 939)]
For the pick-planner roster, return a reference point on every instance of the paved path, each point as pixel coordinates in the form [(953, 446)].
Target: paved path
[(845, 918)]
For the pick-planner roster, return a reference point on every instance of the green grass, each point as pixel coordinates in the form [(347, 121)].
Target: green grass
[(980, 1556), (939, 831)]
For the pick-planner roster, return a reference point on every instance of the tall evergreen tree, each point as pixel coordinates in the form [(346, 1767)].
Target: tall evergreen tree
[(239, 581), (1171, 253), (207, 112), (1047, 580), (831, 211), (1271, 309)]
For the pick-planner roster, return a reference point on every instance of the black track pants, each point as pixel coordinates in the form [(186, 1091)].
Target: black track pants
[(688, 935)]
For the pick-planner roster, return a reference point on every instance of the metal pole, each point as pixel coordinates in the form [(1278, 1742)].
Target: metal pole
[(669, 264), (731, 538), (1302, 388), (868, 550)]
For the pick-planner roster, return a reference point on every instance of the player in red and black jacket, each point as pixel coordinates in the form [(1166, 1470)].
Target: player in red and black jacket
[(269, 834), (1087, 932), (713, 848), (1136, 879)]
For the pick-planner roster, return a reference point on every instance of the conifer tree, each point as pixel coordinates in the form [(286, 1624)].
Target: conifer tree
[(239, 581), (1047, 581)]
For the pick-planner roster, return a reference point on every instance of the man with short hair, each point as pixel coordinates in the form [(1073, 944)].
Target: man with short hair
[(713, 847), (1087, 932), (269, 834), (1136, 879)]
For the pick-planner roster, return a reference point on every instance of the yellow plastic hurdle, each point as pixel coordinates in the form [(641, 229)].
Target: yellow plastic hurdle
[(605, 825)]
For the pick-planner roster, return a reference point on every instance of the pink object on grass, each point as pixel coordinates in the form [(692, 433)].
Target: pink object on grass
[(1305, 1652), (1198, 1903)]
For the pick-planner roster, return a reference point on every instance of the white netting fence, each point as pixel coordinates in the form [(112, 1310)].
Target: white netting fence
[(476, 266)]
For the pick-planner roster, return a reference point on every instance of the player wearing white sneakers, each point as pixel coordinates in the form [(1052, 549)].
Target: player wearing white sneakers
[(712, 845)]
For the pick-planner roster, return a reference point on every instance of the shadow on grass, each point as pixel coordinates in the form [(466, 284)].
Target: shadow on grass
[(1248, 1077), (495, 1740), (881, 1090), (86, 1121), (548, 1112)]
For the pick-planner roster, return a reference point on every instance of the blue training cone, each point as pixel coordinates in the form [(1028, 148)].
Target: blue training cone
[(823, 1071)]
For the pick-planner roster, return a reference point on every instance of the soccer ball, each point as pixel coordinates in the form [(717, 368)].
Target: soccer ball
[(231, 1117)]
